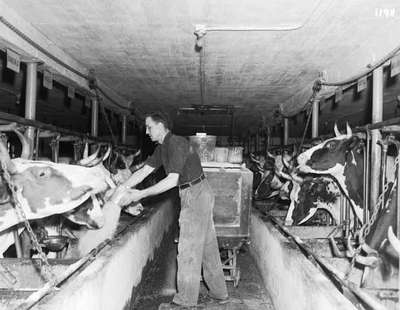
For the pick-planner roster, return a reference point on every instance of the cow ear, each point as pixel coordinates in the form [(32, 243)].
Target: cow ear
[(353, 143)]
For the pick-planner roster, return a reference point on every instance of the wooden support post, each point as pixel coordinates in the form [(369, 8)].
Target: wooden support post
[(377, 115)]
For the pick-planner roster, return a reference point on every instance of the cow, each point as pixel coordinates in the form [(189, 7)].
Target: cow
[(342, 157), (87, 239), (273, 177), (311, 195), (43, 188)]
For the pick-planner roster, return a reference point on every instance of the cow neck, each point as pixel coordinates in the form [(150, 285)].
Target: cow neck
[(353, 177), (8, 216)]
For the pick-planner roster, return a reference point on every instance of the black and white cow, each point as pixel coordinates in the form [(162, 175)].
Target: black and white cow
[(311, 195), (274, 177), (342, 158)]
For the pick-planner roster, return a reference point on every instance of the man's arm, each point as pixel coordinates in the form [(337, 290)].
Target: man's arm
[(138, 176), (170, 181), (132, 195)]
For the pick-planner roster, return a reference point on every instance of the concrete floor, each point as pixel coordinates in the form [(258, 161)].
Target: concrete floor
[(250, 293)]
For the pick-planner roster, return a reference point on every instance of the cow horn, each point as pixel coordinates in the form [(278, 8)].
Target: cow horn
[(349, 131), (270, 155), (107, 153), (95, 162), (393, 240), (137, 153), (86, 150), (26, 149), (88, 160), (336, 130)]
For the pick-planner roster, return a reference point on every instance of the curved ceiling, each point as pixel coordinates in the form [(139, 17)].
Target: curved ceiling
[(145, 49)]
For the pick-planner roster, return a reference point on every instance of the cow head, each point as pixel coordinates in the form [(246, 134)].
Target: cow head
[(44, 188), (309, 196), (342, 158), (332, 155), (88, 214)]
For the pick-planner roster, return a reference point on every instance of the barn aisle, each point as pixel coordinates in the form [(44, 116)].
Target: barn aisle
[(250, 293)]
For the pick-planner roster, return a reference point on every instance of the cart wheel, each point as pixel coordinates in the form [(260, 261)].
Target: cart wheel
[(237, 278)]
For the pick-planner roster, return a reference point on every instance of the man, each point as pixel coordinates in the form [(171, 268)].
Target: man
[(198, 245)]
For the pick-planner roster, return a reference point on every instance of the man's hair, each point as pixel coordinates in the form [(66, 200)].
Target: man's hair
[(160, 117)]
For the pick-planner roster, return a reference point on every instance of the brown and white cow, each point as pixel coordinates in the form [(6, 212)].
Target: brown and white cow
[(44, 188)]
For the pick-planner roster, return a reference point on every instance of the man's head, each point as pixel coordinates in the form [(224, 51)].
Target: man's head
[(157, 126)]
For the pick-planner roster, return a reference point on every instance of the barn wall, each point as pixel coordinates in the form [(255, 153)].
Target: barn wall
[(53, 106), (112, 280), (354, 108), (290, 278)]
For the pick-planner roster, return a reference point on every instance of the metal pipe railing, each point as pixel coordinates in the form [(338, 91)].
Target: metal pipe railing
[(9, 118)]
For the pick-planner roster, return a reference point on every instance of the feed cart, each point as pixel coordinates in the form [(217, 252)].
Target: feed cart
[(232, 185)]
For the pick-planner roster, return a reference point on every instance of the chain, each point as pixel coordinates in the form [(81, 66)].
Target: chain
[(366, 228), (45, 267)]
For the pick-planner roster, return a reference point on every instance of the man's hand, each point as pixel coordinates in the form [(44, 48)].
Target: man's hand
[(131, 195), (115, 195)]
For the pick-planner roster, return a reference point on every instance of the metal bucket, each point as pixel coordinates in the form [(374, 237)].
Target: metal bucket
[(235, 155), (221, 154), (204, 146)]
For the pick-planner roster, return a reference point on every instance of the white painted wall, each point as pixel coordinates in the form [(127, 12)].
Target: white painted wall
[(292, 281)]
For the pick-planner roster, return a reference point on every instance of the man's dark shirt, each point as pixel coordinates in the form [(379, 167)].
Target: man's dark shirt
[(176, 155)]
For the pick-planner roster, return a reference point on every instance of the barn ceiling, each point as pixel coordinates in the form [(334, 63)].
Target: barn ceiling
[(145, 50)]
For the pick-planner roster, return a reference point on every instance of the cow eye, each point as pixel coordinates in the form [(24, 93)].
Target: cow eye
[(331, 146), (43, 173)]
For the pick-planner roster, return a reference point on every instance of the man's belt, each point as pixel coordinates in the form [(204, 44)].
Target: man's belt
[(195, 181)]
